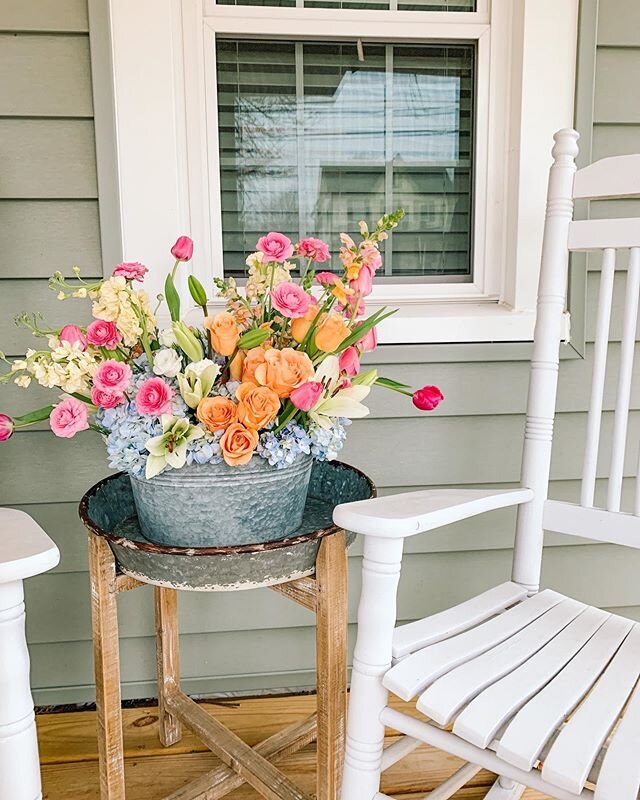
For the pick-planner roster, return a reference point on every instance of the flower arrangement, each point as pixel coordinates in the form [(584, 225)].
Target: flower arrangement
[(276, 374)]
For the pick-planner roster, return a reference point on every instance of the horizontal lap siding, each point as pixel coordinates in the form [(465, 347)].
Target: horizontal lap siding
[(49, 197)]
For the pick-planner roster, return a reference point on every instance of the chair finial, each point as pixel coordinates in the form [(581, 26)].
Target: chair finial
[(566, 143)]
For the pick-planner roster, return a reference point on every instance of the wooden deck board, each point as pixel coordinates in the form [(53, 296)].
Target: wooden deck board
[(69, 754)]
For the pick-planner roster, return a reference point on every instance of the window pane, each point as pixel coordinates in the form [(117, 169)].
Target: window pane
[(313, 139)]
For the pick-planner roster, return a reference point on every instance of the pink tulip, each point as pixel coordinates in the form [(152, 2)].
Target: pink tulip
[(275, 247), (427, 398), (68, 418), (350, 361), (131, 270), (103, 334), (369, 341), (182, 250), (154, 398), (72, 334), (315, 249), (7, 427), (324, 278), (112, 376), (307, 396), (290, 300)]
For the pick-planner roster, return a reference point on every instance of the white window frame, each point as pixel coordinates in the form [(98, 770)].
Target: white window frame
[(163, 54)]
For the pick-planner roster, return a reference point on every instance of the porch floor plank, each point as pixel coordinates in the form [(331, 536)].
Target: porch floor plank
[(68, 752)]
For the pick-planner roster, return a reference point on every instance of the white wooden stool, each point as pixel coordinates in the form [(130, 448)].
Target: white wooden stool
[(25, 550)]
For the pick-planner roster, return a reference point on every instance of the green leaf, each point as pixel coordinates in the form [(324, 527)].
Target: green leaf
[(401, 388), (34, 416), (364, 327), (253, 338), (197, 291), (389, 383), (172, 298)]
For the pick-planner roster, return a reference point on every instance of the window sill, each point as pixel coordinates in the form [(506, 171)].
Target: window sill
[(439, 323)]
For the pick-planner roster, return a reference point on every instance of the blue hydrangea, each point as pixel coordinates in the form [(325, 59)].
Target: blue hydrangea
[(326, 443), (127, 435), (205, 451)]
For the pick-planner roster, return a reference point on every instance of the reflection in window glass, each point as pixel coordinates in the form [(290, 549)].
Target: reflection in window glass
[(312, 139)]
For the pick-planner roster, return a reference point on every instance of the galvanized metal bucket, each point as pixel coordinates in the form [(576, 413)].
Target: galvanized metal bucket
[(214, 505)]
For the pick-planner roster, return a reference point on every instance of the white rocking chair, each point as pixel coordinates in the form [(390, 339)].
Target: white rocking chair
[(536, 687)]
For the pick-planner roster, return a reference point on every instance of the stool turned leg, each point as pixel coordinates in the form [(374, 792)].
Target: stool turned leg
[(19, 766), (104, 612), (331, 660), (167, 661)]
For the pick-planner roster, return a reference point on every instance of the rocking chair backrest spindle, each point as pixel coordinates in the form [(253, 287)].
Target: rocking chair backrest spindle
[(611, 177)]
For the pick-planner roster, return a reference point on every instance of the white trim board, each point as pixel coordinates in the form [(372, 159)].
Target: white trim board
[(164, 97)]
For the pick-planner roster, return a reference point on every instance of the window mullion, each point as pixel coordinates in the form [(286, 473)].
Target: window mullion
[(388, 151), (302, 210)]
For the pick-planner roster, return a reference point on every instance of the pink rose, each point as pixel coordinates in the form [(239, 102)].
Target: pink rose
[(370, 256), (307, 396), (112, 376), (73, 335), (427, 398), (131, 270), (324, 278), (350, 361), (182, 250), (315, 249), (106, 398), (290, 299), (275, 247), (369, 341), (154, 398), (68, 418), (7, 426), (103, 334), (363, 284)]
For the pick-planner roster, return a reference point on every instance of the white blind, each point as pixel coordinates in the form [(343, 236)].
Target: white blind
[(312, 139)]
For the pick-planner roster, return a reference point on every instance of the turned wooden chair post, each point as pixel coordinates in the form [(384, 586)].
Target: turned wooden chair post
[(25, 551)]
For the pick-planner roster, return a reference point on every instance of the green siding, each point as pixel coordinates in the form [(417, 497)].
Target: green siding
[(49, 215)]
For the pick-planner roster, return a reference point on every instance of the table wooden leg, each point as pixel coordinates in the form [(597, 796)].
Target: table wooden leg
[(331, 660), (167, 661), (102, 569)]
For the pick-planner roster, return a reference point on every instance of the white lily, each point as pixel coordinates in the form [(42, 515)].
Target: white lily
[(345, 402), (170, 448), (197, 381)]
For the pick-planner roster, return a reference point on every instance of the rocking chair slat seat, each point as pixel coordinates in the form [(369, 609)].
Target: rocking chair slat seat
[(520, 677)]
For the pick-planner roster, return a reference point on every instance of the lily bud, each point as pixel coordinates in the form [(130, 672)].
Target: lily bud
[(197, 291), (187, 341)]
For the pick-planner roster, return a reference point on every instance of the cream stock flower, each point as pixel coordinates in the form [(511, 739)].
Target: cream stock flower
[(117, 302)]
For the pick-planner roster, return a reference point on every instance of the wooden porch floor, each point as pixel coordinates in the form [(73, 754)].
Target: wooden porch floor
[(68, 754)]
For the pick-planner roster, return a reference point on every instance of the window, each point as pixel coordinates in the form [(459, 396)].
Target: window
[(315, 136), (305, 115)]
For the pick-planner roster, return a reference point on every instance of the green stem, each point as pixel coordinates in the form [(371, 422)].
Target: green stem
[(205, 311), (287, 419)]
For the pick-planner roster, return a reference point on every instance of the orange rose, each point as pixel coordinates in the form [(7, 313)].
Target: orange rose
[(331, 332), (252, 361), (284, 370), (217, 413), (258, 406), (237, 444), (235, 367), (224, 332), (300, 326)]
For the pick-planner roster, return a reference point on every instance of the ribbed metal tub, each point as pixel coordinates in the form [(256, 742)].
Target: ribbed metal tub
[(108, 510), (214, 505)]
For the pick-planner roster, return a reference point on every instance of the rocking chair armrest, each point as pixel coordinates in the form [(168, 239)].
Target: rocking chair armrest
[(400, 515)]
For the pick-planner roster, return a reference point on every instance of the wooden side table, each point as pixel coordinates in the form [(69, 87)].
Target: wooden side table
[(120, 562)]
